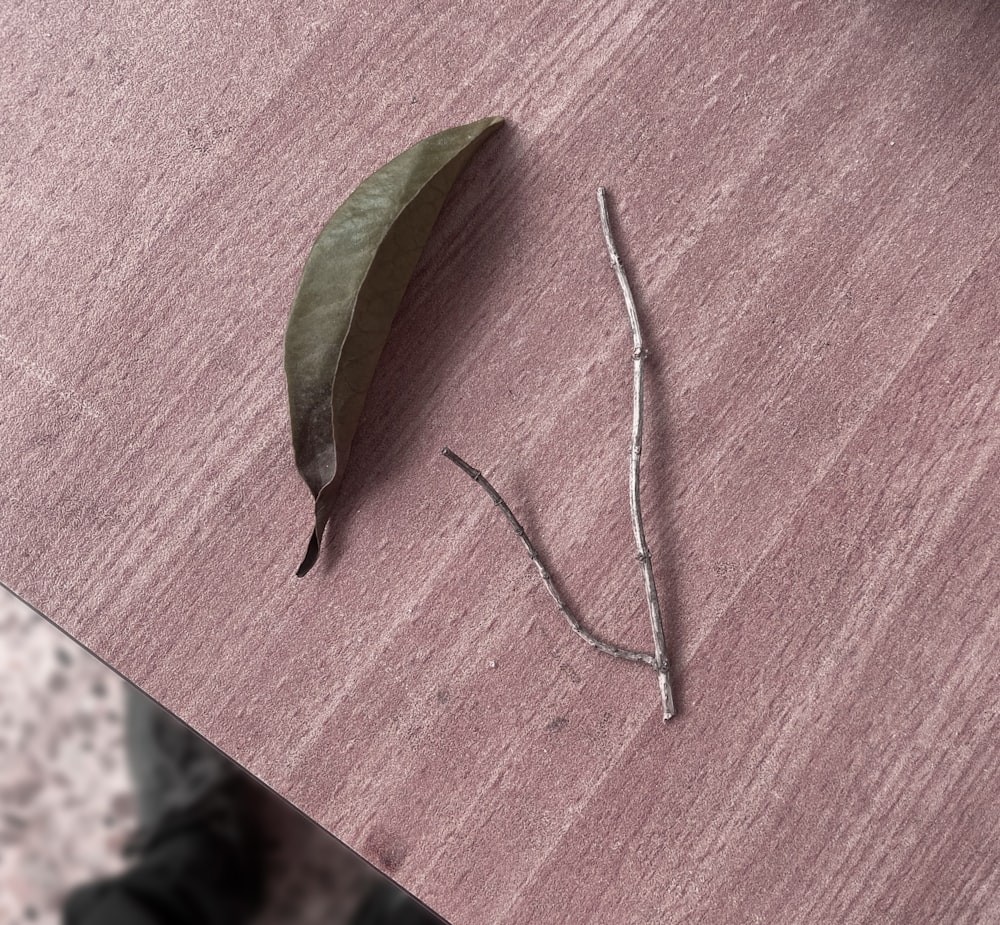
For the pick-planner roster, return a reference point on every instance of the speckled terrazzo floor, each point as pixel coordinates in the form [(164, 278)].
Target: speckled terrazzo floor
[(66, 806), (66, 802)]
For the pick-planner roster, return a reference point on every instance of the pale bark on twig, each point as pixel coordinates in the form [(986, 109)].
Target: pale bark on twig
[(642, 549), (658, 661)]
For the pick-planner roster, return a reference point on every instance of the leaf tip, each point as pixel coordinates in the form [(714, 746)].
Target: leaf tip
[(488, 125)]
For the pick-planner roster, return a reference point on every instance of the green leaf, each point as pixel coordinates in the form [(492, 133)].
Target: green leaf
[(351, 287)]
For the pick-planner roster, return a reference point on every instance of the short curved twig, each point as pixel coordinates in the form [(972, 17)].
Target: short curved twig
[(602, 645)]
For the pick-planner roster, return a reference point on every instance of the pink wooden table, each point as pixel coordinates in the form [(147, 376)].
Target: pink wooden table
[(807, 198)]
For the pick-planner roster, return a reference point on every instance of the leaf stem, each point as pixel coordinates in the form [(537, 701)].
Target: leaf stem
[(590, 638), (635, 455)]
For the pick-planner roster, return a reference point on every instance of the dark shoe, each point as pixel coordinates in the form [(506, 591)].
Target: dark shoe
[(198, 857), (173, 768)]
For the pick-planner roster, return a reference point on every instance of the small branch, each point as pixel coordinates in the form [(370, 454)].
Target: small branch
[(659, 660), (601, 645), (642, 549)]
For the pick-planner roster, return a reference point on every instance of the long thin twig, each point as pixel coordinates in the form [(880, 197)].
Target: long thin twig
[(601, 645), (642, 549)]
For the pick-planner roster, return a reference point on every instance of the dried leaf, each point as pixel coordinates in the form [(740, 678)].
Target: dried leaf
[(351, 287)]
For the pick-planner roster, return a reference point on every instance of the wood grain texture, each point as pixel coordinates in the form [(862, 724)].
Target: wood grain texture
[(808, 205)]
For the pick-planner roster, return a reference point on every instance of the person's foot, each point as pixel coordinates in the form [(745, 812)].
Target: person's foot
[(174, 770), (197, 855), (195, 810)]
